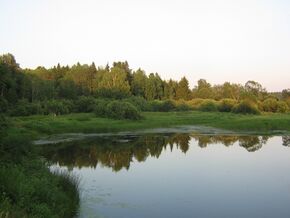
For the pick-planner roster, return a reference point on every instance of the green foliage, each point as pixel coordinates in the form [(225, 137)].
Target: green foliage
[(183, 91), (24, 108), (162, 106), (285, 93), (138, 83), (122, 110), (14, 147), (226, 105), (203, 90), (273, 105), (182, 105), (139, 102), (282, 107), (30, 190), (116, 79), (195, 103), (3, 124), (112, 93), (3, 105), (100, 107), (246, 107), (85, 104), (116, 109), (208, 105), (57, 107), (270, 105), (47, 89), (154, 87)]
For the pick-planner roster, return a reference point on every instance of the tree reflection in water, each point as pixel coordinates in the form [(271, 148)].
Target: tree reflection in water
[(286, 140), (117, 152)]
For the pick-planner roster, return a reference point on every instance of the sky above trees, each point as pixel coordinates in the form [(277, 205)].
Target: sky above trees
[(219, 41)]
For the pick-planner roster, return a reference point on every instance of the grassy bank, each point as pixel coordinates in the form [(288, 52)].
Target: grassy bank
[(27, 187), (88, 123)]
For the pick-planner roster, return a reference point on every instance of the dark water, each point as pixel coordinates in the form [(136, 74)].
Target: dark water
[(179, 175)]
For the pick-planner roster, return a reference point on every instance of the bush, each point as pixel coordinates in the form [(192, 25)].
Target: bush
[(56, 107), (195, 103), (122, 110), (288, 102), (162, 106), (24, 108), (3, 124), (246, 107), (85, 104), (139, 102), (226, 105), (3, 105), (166, 106), (270, 105), (183, 107), (208, 105), (282, 107), (100, 107)]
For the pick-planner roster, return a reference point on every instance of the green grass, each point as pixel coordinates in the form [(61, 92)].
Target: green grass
[(29, 189), (89, 123)]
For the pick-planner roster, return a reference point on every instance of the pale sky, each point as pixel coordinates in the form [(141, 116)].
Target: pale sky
[(218, 40)]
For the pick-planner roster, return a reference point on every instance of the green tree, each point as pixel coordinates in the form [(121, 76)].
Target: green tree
[(154, 87), (116, 79), (203, 89), (183, 91), (138, 83)]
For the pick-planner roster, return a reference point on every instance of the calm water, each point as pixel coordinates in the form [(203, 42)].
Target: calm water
[(179, 175)]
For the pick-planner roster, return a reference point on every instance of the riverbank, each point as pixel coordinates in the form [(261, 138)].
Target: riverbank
[(37, 126), (27, 186)]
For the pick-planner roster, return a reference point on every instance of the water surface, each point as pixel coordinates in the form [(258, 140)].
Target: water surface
[(178, 174)]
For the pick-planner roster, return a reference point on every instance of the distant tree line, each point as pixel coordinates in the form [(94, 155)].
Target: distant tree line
[(118, 81)]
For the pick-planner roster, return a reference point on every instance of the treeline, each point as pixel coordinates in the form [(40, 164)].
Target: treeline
[(43, 91)]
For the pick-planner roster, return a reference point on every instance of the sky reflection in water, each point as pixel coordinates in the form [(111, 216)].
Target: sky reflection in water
[(179, 175)]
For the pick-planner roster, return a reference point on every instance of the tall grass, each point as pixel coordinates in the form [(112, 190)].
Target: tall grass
[(29, 189)]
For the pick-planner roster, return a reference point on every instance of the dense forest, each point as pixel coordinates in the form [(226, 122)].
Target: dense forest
[(65, 89)]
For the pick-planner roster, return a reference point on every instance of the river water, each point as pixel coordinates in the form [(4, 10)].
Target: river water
[(178, 174)]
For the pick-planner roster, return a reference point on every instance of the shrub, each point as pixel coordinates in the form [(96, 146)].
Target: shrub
[(246, 107), (260, 105), (226, 105), (282, 107), (139, 102), (122, 110), (162, 106), (195, 103), (270, 105), (166, 106), (183, 107), (85, 104), (288, 101), (56, 107), (3, 123), (208, 105), (100, 107), (24, 108), (3, 105)]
